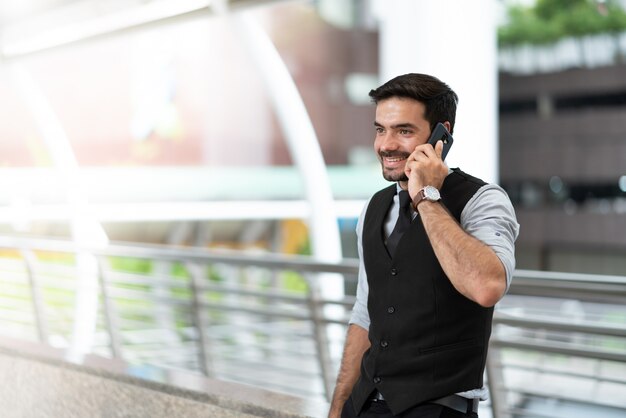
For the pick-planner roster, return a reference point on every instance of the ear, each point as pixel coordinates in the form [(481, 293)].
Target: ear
[(448, 126)]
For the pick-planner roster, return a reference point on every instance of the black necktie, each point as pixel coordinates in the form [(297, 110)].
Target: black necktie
[(402, 224)]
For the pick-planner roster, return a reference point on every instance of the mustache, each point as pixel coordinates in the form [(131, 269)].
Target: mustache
[(392, 154)]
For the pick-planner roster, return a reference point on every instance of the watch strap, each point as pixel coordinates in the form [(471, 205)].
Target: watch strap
[(421, 196)]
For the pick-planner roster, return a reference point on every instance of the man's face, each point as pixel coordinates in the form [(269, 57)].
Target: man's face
[(400, 127)]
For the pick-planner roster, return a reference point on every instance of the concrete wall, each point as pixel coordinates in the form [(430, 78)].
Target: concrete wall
[(37, 383)]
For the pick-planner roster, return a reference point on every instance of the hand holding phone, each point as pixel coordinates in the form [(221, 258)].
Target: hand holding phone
[(440, 133)]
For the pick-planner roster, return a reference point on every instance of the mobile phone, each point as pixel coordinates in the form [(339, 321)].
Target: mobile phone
[(440, 133)]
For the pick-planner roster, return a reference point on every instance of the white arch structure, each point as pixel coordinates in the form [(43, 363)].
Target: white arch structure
[(303, 146), (86, 230)]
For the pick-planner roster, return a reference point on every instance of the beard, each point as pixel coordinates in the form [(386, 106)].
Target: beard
[(393, 175)]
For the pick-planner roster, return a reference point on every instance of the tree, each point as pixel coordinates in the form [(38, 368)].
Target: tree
[(550, 20)]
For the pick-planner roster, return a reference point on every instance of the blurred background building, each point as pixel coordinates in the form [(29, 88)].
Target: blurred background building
[(562, 149)]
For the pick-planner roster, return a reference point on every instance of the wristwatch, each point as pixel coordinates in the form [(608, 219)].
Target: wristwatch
[(429, 193)]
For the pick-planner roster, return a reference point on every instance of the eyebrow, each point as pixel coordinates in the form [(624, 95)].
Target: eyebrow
[(398, 126)]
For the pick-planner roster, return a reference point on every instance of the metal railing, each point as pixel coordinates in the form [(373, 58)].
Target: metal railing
[(249, 318), (559, 339), (257, 318)]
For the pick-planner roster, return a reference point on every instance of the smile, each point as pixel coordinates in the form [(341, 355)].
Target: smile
[(394, 159)]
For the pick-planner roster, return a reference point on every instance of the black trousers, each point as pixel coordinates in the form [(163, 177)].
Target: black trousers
[(379, 409)]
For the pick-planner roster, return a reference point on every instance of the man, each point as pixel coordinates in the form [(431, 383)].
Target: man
[(417, 341)]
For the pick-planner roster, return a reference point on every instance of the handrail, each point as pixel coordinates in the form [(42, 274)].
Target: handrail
[(587, 327), (557, 348), (180, 253), (569, 277), (587, 287)]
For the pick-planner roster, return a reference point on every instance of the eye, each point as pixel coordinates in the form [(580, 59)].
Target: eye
[(405, 132), (379, 130)]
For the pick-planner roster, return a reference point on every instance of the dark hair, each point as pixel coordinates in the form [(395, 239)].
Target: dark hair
[(438, 98)]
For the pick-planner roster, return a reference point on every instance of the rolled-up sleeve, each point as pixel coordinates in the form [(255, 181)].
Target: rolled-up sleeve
[(360, 316), (489, 217)]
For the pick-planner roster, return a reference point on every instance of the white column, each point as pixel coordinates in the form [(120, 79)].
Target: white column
[(455, 41)]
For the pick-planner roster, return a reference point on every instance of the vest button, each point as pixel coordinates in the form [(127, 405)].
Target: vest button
[(384, 344), (377, 380), (391, 309), (394, 272)]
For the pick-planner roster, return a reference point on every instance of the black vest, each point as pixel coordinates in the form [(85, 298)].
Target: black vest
[(427, 340)]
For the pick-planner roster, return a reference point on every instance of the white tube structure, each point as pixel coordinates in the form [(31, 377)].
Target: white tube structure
[(86, 230), (302, 143)]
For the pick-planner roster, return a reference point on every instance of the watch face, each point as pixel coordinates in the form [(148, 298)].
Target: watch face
[(431, 193)]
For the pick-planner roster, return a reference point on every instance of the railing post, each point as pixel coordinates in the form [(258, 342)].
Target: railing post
[(497, 389), (321, 336), (108, 307), (35, 293), (195, 285)]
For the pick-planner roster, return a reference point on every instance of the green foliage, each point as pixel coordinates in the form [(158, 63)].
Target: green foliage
[(294, 282), (179, 271), (551, 20), (549, 9), (526, 27), (132, 265), (616, 19)]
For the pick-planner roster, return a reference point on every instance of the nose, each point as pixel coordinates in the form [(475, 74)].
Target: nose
[(387, 142)]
